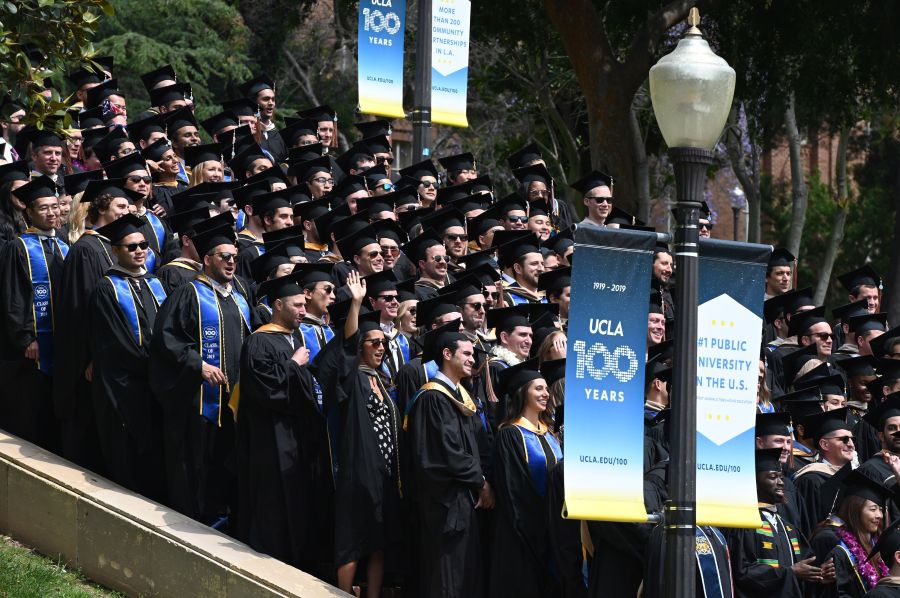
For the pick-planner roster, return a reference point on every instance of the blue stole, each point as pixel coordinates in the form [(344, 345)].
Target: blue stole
[(314, 344), (431, 368), (159, 232), (536, 458), (264, 303), (706, 561), (240, 223), (210, 321), (127, 303), (182, 173), (763, 409), (42, 295)]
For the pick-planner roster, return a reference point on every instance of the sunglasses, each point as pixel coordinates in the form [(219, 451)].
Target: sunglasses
[(388, 298), (441, 258), (476, 306), (327, 289), (495, 295), (706, 226), (455, 237), (599, 199), (132, 247), (140, 179), (386, 186), (394, 251), (522, 219), (844, 439), (373, 254), (413, 311), (428, 184), (376, 342), (384, 160), (225, 256), (822, 336)]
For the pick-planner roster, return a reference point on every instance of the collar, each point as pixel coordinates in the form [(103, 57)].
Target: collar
[(128, 273), (439, 375), (388, 329), (274, 328), (540, 429), (43, 234), (224, 290), (311, 319)]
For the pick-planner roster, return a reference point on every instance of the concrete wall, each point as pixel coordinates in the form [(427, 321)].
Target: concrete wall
[(126, 542)]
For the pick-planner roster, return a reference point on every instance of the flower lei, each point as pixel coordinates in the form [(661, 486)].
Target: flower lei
[(866, 568)]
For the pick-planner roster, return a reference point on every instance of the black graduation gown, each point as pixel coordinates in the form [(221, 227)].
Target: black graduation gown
[(447, 472), (247, 254), (26, 392), (272, 142), (565, 538), (368, 512), (176, 273), (847, 581), (809, 499), (166, 248), (162, 195), (88, 260), (277, 455), (887, 587), (865, 438), (128, 419), (521, 554), (656, 551), (196, 449), (755, 579)]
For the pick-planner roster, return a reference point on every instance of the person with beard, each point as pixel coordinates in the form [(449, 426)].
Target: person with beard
[(261, 91), (194, 367), (274, 212), (193, 220), (860, 372), (123, 310), (512, 326), (31, 270), (432, 261), (276, 412), (449, 224), (521, 259), (88, 259), (661, 281), (885, 418)]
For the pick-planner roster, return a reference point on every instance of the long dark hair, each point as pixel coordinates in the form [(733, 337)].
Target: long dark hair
[(516, 405), (851, 512), (12, 221)]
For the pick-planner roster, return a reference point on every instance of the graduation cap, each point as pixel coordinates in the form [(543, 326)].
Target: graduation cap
[(470, 203), (270, 176), (435, 341), (263, 267), (542, 326), (368, 322), (293, 235), (299, 155), (888, 544), (14, 171), (554, 281), (255, 85), (509, 204), (157, 76), (507, 318), (42, 186), (882, 344), (121, 227), (463, 288), (619, 216), (346, 224), (309, 169), (141, 130), (442, 219), (777, 423), (888, 408), (509, 253), (773, 308), (867, 322), (357, 153), (861, 365), (92, 140), (768, 459), (535, 172), (90, 74), (524, 157), (281, 287), (97, 94), (553, 370), (95, 186), (313, 273), (352, 244), (155, 151), (378, 144), (865, 275), (795, 300), (516, 376), (244, 195), (430, 310), (538, 207), (292, 133), (77, 181), (781, 257), (374, 128), (224, 219), (184, 222), (179, 119), (240, 107), (88, 119), (457, 162), (171, 93), (195, 155), (801, 403), (212, 192), (481, 224), (40, 137), (320, 113), (269, 202), (664, 351), (388, 228), (109, 144), (845, 312), (593, 179), (859, 484), (481, 184), (379, 282), (311, 210), (298, 194), (214, 124), (420, 169), (417, 247), (448, 195), (560, 242), (819, 424), (404, 197), (410, 218), (824, 379), (801, 322), (337, 312), (208, 240), (657, 369), (241, 162), (376, 204)]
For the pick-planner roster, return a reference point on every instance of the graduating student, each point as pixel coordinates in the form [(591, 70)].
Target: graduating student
[(88, 259), (274, 212), (194, 366), (447, 474), (277, 475), (123, 311), (888, 548), (188, 223), (31, 270), (525, 452)]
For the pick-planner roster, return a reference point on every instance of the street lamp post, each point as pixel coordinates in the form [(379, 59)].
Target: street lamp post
[(737, 205), (691, 90)]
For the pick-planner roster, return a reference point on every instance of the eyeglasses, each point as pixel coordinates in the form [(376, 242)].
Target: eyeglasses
[(140, 179), (384, 160), (454, 237), (373, 254), (385, 186), (323, 181), (225, 256), (388, 298), (376, 342), (844, 439), (495, 295), (441, 258), (428, 184), (394, 251), (539, 193), (132, 247), (476, 306), (822, 336), (522, 219), (599, 199), (706, 225)]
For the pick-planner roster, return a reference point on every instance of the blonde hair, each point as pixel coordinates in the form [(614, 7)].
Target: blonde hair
[(405, 306), (808, 367), (197, 177), (77, 217)]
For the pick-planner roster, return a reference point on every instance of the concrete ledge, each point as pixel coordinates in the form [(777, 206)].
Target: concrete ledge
[(126, 542)]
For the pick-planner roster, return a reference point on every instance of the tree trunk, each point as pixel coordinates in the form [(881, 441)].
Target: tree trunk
[(748, 178), (641, 168), (840, 219), (613, 146), (892, 300), (799, 197)]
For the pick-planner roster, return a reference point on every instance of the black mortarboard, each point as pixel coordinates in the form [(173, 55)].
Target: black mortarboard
[(773, 308), (375, 174), (470, 203), (89, 119), (462, 288), (464, 161), (155, 150), (132, 162), (447, 195), (240, 107), (543, 326), (98, 93), (121, 227), (882, 344), (109, 144), (861, 365), (442, 219), (655, 305), (345, 225), (824, 378), (888, 408), (555, 280), (320, 113), (516, 376), (224, 219), (560, 242), (432, 309), (781, 257), (42, 186), (142, 129), (292, 235), (197, 154), (820, 424), (434, 341), (170, 93), (664, 351), (208, 240), (374, 128), (156, 76), (292, 133), (310, 210), (768, 459), (92, 138), (279, 288), (803, 321), (40, 137), (481, 184), (420, 169), (508, 253), (794, 300), (388, 228), (185, 221), (241, 162), (357, 153), (270, 176), (619, 216), (417, 247), (865, 275), (90, 73), (368, 322), (353, 243), (96, 185), (411, 218), (484, 222), (375, 204), (244, 195), (255, 85), (801, 403), (859, 484), (15, 171), (553, 370), (178, 119), (312, 273), (595, 178), (77, 181), (535, 172), (307, 170), (524, 156), (507, 318), (845, 312), (888, 544), (263, 266), (775, 423), (378, 144), (379, 282), (510, 203), (217, 122), (269, 202), (337, 312), (867, 322), (538, 207)]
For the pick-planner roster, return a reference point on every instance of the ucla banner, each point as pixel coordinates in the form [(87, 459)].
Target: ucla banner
[(449, 61), (604, 414), (382, 24), (729, 332)]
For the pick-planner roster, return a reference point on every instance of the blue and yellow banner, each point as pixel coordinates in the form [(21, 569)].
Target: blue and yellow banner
[(382, 24), (449, 61), (604, 405), (729, 331)]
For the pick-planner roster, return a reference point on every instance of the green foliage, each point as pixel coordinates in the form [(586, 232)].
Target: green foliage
[(206, 42), (40, 39)]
